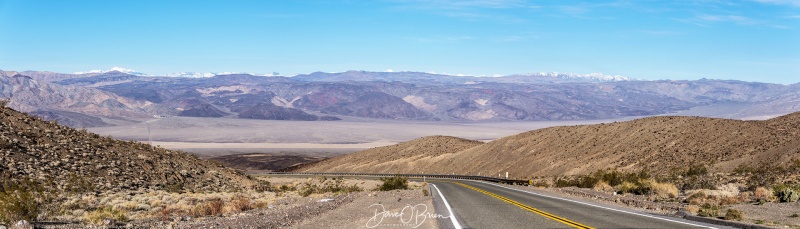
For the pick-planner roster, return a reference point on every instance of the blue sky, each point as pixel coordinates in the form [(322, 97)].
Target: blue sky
[(756, 40)]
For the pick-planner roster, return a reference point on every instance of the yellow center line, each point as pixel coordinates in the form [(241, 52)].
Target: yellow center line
[(526, 207)]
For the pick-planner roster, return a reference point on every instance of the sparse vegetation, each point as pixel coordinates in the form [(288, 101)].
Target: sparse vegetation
[(78, 184), (696, 177), (21, 200), (211, 207), (174, 187), (733, 214), (639, 183), (540, 183), (325, 185), (240, 204), (392, 183), (785, 193), (97, 216), (767, 175), (709, 210), (763, 195)]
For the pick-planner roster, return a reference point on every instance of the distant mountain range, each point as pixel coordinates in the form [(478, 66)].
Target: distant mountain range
[(108, 97)]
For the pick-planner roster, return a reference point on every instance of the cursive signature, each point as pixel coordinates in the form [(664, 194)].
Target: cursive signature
[(411, 216)]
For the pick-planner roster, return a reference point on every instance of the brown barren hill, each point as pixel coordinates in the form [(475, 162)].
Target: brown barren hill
[(61, 157), (656, 144), (414, 156)]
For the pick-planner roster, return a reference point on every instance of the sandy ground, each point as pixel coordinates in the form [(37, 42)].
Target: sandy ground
[(374, 210), (391, 209), (175, 132)]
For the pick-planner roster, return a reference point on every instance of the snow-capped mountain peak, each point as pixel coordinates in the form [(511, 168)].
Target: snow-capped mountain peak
[(118, 69), (212, 74), (575, 76)]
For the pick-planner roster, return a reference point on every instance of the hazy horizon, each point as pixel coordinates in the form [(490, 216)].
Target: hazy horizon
[(748, 40)]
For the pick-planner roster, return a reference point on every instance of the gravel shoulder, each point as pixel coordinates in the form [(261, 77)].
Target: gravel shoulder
[(391, 209), (775, 215)]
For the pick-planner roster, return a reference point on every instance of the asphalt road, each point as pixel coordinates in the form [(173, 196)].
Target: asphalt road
[(486, 205)]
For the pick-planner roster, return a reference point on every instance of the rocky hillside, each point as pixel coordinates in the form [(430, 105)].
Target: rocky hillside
[(657, 144), (408, 157), (63, 158), (29, 95), (270, 111)]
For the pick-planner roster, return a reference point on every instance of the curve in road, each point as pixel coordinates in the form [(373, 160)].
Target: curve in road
[(478, 204)]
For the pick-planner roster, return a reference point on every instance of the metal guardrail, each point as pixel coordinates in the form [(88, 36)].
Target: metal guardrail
[(446, 176)]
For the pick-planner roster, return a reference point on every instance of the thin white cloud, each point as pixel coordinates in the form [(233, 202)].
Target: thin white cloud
[(461, 4), (781, 2), (707, 20), (470, 10), (727, 18)]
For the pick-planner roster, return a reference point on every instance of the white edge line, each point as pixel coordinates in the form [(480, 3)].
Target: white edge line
[(597, 206), (447, 205)]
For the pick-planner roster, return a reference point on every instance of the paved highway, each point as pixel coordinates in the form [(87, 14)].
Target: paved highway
[(478, 204)]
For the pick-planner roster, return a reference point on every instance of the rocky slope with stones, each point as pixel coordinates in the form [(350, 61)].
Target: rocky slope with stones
[(62, 157), (657, 144)]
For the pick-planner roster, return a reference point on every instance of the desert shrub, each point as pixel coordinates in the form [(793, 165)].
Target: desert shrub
[(560, 182), (78, 184), (211, 207), (729, 200), (168, 211), (392, 183), (763, 195), (709, 210), (22, 200), (215, 206), (786, 194), (540, 183), (698, 198), (699, 182), (696, 170), (241, 204), (97, 216), (260, 204), (734, 214), (602, 186), (173, 188), (638, 188), (744, 197), (587, 181), (327, 186), (664, 190), (307, 190), (199, 210), (263, 186), (767, 175), (610, 177), (692, 208), (626, 187), (425, 192)]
